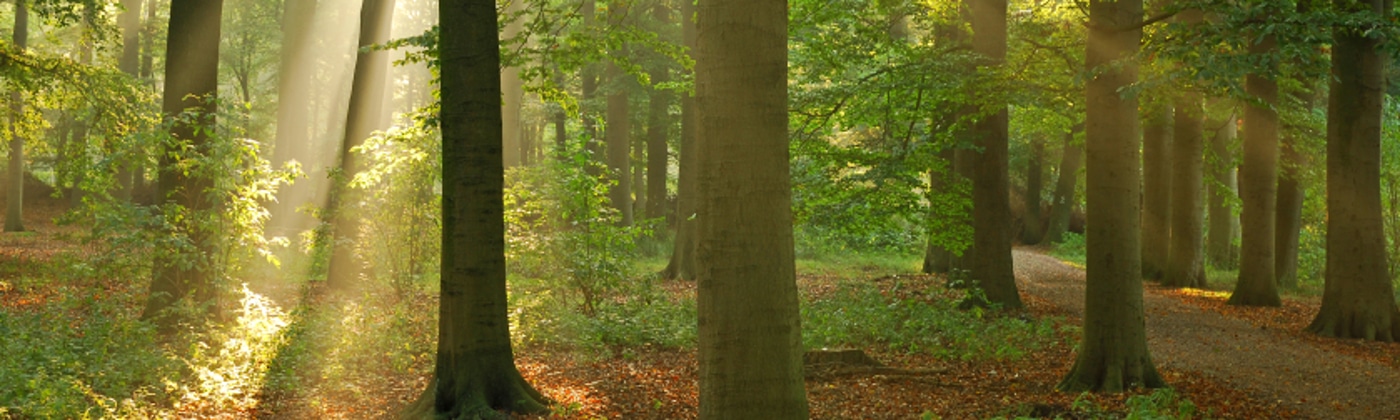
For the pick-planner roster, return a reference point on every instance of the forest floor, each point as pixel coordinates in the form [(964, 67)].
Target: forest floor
[(1229, 362)]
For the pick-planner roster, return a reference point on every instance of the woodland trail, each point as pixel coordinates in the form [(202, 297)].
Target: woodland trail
[(1268, 364)]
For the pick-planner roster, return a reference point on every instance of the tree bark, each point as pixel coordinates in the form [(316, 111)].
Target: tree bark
[(992, 266), (1157, 187), (1257, 285), (1034, 224), (1113, 354), (14, 192), (682, 264), (1358, 300), (589, 88), (362, 118), (1186, 262), (750, 335), (191, 82), (1221, 251), (130, 63), (1071, 159), (475, 373)]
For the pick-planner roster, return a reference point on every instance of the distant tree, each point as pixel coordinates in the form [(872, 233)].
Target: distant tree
[(618, 132), (191, 82), (14, 191), (1257, 285), (658, 124), (128, 179), (1034, 228), (1071, 159), (293, 136), (513, 91), (1358, 300), (1113, 355), (1186, 254), (682, 263), (1156, 188), (750, 337), (1221, 251), (475, 374), (991, 263), (366, 104)]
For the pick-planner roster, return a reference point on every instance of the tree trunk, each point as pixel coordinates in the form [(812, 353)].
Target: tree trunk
[(293, 120), (148, 34), (937, 258), (1156, 190), (750, 335), (1289, 217), (513, 89), (561, 121), (1034, 224), (1186, 259), (992, 266), (14, 191), (475, 373), (618, 133), (191, 82), (1224, 224), (1358, 300), (1257, 285), (1070, 161), (657, 158), (129, 63), (366, 95), (589, 88), (682, 264), (1113, 354)]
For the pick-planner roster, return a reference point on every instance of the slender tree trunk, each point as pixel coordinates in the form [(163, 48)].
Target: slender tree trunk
[(682, 264), (1358, 300), (750, 345), (937, 258), (14, 192), (1113, 354), (366, 95), (191, 82), (1157, 187), (594, 144), (1257, 285), (992, 266), (1071, 159), (637, 160), (619, 128), (657, 159), (1289, 217), (475, 373), (1034, 224), (293, 115), (561, 121), (1186, 259), (1221, 251), (129, 63), (148, 34), (514, 90)]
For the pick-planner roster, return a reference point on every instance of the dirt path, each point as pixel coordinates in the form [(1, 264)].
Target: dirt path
[(1268, 364)]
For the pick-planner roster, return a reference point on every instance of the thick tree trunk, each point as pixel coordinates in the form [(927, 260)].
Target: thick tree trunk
[(1156, 190), (1221, 251), (1186, 259), (366, 104), (1113, 355), (1071, 159), (293, 116), (475, 374), (1257, 285), (682, 264), (191, 81), (657, 158), (750, 335), (1358, 300), (14, 191), (991, 215)]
